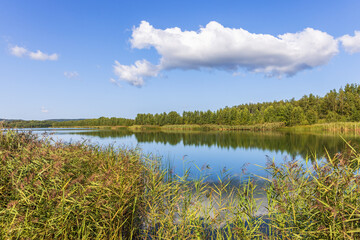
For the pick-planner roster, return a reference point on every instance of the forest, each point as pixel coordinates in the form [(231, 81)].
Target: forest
[(336, 106)]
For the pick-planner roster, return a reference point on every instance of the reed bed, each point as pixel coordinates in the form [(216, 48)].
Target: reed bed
[(335, 127), (216, 127), (54, 190)]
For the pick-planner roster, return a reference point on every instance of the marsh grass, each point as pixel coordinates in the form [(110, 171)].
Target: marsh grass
[(195, 127), (212, 127), (335, 127), (53, 190), (318, 200)]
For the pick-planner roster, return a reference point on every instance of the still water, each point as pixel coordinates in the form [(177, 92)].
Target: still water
[(237, 152)]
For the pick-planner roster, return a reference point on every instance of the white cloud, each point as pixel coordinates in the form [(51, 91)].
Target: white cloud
[(135, 74), (351, 43), (18, 51), (217, 47), (44, 110), (38, 55), (73, 74)]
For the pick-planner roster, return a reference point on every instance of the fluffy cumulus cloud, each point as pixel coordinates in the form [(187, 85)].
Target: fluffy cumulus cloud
[(38, 55), (73, 74), (217, 47), (351, 43), (135, 74), (18, 51)]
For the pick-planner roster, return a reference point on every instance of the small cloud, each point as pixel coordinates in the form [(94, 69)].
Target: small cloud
[(113, 81), (351, 43), (136, 73), (38, 55), (73, 74), (18, 51), (44, 110)]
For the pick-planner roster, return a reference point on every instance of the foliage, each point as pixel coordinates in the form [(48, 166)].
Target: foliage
[(335, 106), (343, 105), (316, 201), (52, 190), (102, 121), (27, 124)]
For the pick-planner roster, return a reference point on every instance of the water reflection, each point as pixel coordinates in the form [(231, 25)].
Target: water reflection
[(291, 144)]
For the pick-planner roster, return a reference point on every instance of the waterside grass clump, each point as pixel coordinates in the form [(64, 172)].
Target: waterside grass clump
[(335, 127), (53, 190), (318, 200), (216, 127)]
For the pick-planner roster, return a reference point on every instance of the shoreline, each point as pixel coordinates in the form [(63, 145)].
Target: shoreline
[(337, 127)]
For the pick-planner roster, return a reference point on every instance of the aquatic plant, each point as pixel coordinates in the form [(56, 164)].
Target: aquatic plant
[(55, 190)]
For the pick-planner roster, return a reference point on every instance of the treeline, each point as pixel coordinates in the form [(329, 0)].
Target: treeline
[(335, 106), (103, 121), (26, 124)]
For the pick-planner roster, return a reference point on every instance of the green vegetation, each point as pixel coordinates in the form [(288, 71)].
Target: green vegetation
[(103, 121), (338, 127), (335, 106), (208, 127), (215, 127), (343, 105), (57, 191), (316, 201), (52, 190), (27, 124)]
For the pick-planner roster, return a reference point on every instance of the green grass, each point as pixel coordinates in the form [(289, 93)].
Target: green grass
[(52, 190), (336, 127), (196, 127), (62, 191), (143, 127), (320, 200), (216, 127)]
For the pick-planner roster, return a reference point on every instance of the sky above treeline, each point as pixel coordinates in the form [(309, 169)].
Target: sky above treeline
[(87, 59)]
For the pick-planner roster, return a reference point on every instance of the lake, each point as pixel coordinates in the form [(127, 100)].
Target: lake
[(214, 152)]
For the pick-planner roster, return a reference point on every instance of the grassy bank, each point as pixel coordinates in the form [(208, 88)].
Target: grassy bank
[(52, 190), (58, 191), (196, 127), (337, 127), (215, 127), (98, 127)]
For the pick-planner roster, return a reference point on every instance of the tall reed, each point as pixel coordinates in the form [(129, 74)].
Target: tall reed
[(54, 190), (315, 200)]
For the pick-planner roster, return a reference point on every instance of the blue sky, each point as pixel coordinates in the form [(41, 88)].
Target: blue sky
[(79, 41)]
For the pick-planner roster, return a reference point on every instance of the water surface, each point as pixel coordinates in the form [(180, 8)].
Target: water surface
[(214, 152)]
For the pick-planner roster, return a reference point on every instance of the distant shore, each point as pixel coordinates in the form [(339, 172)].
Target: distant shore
[(335, 127)]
